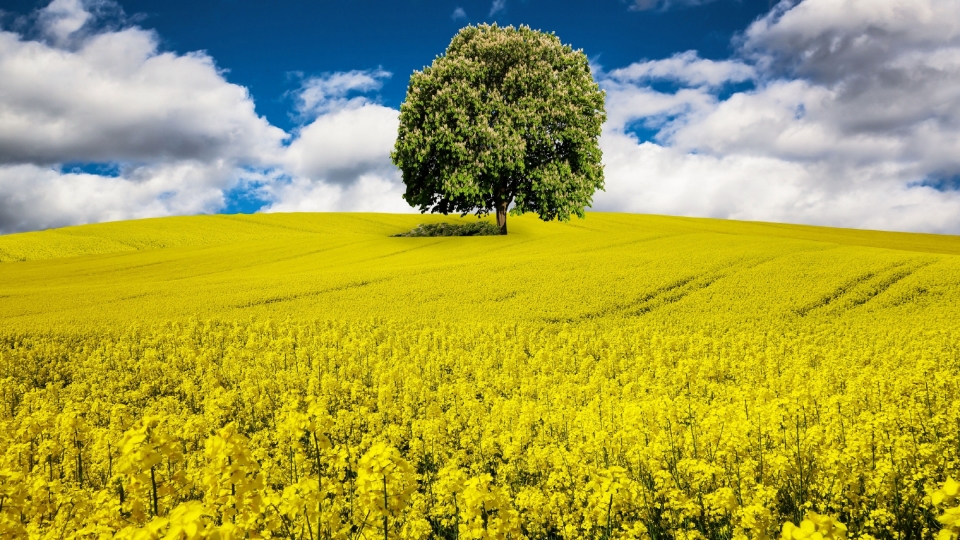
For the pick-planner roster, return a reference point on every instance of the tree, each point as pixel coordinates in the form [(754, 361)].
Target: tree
[(506, 115)]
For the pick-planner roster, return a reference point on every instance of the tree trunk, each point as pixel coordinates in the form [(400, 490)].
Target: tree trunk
[(502, 216)]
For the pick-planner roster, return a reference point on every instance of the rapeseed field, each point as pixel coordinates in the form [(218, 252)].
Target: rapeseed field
[(308, 376)]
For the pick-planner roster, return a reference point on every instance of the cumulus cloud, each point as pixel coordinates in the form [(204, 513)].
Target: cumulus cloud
[(176, 133), (116, 97), (653, 178), (458, 14), (371, 192), (852, 120), (62, 19), (342, 145), (36, 197), (687, 68), (630, 96), (830, 41), (343, 153), (337, 91)]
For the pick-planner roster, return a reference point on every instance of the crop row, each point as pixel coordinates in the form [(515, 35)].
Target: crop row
[(284, 429)]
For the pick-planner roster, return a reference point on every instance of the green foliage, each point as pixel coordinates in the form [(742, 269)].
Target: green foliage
[(480, 228), (506, 115)]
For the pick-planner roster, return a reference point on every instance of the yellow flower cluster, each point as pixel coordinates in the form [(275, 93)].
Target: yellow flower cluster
[(349, 430), (948, 496), (814, 527)]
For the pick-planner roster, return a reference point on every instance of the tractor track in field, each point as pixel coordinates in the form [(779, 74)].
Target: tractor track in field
[(869, 285), (670, 293), (309, 294), (888, 281)]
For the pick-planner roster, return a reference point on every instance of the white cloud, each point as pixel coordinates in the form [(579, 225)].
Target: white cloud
[(62, 18), (458, 14), (856, 107), (371, 192), (177, 132), (341, 145), (343, 154), (117, 98), (627, 103), (651, 178), (36, 197), (830, 40), (631, 98), (686, 68), (881, 79), (329, 92), (497, 6)]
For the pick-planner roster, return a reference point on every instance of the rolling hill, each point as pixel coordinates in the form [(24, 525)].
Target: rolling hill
[(322, 266)]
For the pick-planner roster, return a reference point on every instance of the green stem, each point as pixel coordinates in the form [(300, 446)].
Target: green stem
[(153, 483), (386, 509), (456, 518), (316, 446), (609, 508)]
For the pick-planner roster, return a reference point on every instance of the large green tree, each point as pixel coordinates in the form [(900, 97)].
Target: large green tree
[(506, 115)]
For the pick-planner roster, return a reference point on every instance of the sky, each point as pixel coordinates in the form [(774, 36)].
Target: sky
[(827, 112)]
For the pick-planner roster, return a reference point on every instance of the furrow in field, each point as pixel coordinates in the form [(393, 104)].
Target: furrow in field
[(834, 295), (863, 288), (309, 294), (877, 287), (672, 292)]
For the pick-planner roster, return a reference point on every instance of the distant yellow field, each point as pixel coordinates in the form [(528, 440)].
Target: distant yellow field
[(622, 376), (345, 266)]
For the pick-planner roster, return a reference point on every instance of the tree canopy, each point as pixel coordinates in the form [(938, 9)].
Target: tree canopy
[(505, 115)]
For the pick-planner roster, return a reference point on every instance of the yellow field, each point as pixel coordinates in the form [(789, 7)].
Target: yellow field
[(622, 376)]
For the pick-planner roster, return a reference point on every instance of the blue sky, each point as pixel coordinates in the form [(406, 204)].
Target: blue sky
[(834, 112)]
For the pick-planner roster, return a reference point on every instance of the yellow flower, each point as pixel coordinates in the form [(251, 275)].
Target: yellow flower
[(814, 527)]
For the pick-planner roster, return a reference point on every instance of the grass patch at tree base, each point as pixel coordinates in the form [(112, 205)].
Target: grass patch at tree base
[(480, 228)]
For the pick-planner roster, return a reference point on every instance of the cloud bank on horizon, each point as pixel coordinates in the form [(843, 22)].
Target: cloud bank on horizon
[(843, 113)]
